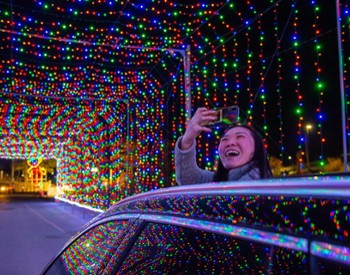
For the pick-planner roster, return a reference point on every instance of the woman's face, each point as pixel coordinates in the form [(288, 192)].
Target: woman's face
[(236, 147)]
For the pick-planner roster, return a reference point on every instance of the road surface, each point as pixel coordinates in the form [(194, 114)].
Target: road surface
[(33, 230)]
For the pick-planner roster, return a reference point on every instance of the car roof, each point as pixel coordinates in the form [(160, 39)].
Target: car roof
[(309, 206), (316, 186)]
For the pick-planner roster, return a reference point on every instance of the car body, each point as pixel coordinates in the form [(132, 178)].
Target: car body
[(277, 226)]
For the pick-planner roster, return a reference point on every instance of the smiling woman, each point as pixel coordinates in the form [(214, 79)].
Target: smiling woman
[(242, 155), (236, 147)]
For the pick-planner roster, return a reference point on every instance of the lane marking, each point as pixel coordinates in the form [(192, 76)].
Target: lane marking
[(46, 220)]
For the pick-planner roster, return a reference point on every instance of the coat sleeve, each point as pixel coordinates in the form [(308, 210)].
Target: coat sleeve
[(186, 168)]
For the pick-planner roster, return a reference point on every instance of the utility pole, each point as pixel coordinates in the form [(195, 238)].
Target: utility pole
[(341, 82)]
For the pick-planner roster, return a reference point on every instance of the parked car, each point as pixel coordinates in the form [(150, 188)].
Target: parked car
[(278, 226), (6, 188)]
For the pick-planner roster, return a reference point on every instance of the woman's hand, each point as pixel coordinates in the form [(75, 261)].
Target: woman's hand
[(196, 125)]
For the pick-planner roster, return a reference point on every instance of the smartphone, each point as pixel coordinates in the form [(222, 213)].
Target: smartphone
[(226, 116)]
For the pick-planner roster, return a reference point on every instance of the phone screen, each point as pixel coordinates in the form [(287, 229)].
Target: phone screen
[(226, 116)]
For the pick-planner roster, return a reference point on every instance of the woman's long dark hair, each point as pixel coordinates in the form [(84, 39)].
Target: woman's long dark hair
[(259, 158)]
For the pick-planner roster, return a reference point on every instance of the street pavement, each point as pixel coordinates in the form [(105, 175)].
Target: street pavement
[(33, 230)]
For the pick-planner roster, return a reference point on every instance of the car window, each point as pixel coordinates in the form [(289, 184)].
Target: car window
[(91, 253), (169, 249), (322, 266), (332, 263)]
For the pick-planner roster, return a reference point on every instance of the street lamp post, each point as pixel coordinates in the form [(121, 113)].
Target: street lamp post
[(308, 128), (342, 89)]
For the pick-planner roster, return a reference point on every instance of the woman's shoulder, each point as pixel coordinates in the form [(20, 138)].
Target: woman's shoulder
[(246, 172)]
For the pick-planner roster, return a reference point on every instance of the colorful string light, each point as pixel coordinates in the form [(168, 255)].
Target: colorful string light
[(100, 85)]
